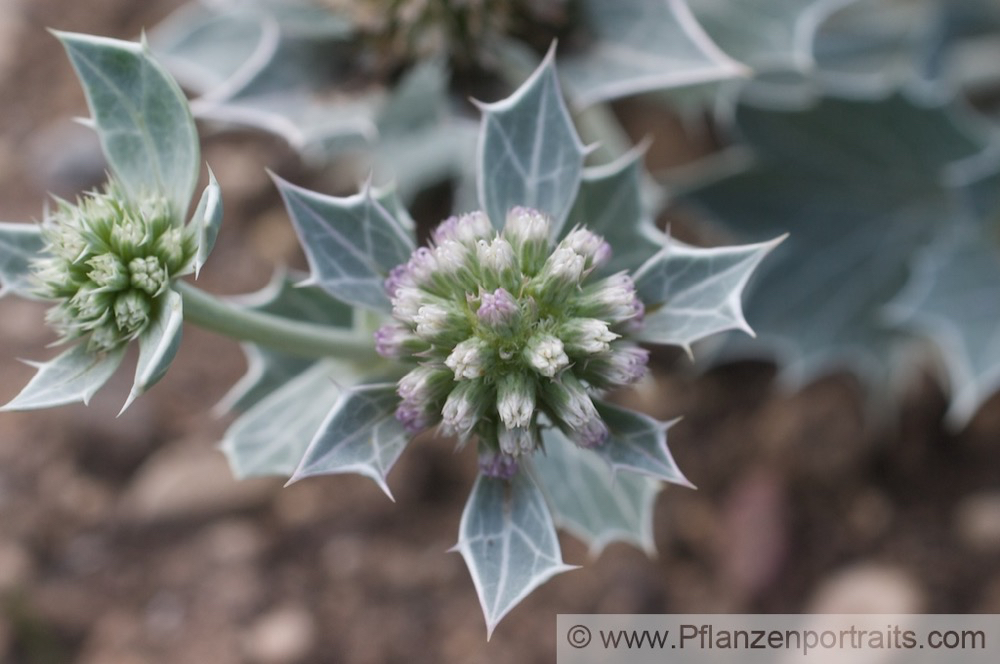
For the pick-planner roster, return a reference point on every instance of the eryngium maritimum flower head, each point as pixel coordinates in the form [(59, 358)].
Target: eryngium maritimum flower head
[(105, 263), (506, 326)]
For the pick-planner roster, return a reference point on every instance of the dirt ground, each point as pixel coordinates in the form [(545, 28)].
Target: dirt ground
[(126, 540)]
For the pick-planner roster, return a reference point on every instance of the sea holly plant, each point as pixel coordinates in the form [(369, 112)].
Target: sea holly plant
[(109, 263), (507, 331)]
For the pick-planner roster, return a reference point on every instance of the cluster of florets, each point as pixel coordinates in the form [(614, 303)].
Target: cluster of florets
[(105, 263), (505, 327), (406, 31)]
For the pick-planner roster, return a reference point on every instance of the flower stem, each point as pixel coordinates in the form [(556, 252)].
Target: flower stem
[(275, 332)]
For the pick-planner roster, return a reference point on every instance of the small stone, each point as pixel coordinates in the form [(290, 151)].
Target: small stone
[(190, 481), (233, 541), (17, 569), (282, 636), (977, 521), (869, 588)]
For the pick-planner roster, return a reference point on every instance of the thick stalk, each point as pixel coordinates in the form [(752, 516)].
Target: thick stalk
[(275, 332)]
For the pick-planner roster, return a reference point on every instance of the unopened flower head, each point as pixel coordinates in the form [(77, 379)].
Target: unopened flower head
[(106, 261), (504, 326), (498, 310), (466, 229), (594, 248)]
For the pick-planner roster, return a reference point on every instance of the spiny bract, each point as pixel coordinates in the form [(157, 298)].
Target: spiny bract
[(504, 327), (106, 261)]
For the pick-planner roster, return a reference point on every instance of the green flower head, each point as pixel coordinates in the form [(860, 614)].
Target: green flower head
[(106, 260)]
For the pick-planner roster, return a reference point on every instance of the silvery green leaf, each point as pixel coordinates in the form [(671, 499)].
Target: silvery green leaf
[(638, 443), (419, 100), (273, 434), (610, 203), (19, 244), (766, 34), (206, 221), (952, 300), (158, 344), (351, 243), (298, 94), (590, 500), (267, 369), (359, 435), (691, 292), (641, 46), (877, 46), (206, 49), (861, 186), (141, 116), (509, 542), (529, 151), (73, 376)]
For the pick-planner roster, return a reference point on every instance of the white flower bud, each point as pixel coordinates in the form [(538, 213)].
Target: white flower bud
[(498, 310), (498, 465), (591, 433), (526, 225), (65, 240), (565, 266), (398, 277), (496, 257), (560, 275), (591, 246), (54, 277), (414, 417), (527, 231), (107, 271), (432, 321), (451, 257), (392, 339), (89, 305), (624, 365), (468, 359), (423, 385), (569, 401), (517, 441), (128, 234), (148, 274), (462, 409), (170, 248), (406, 303), (467, 229), (612, 299), (515, 400), (422, 266), (546, 355), (104, 337), (587, 336), (132, 311)]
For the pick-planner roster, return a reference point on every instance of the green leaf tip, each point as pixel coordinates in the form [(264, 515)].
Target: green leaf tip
[(141, 115), (509, 543), (529, 152)]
